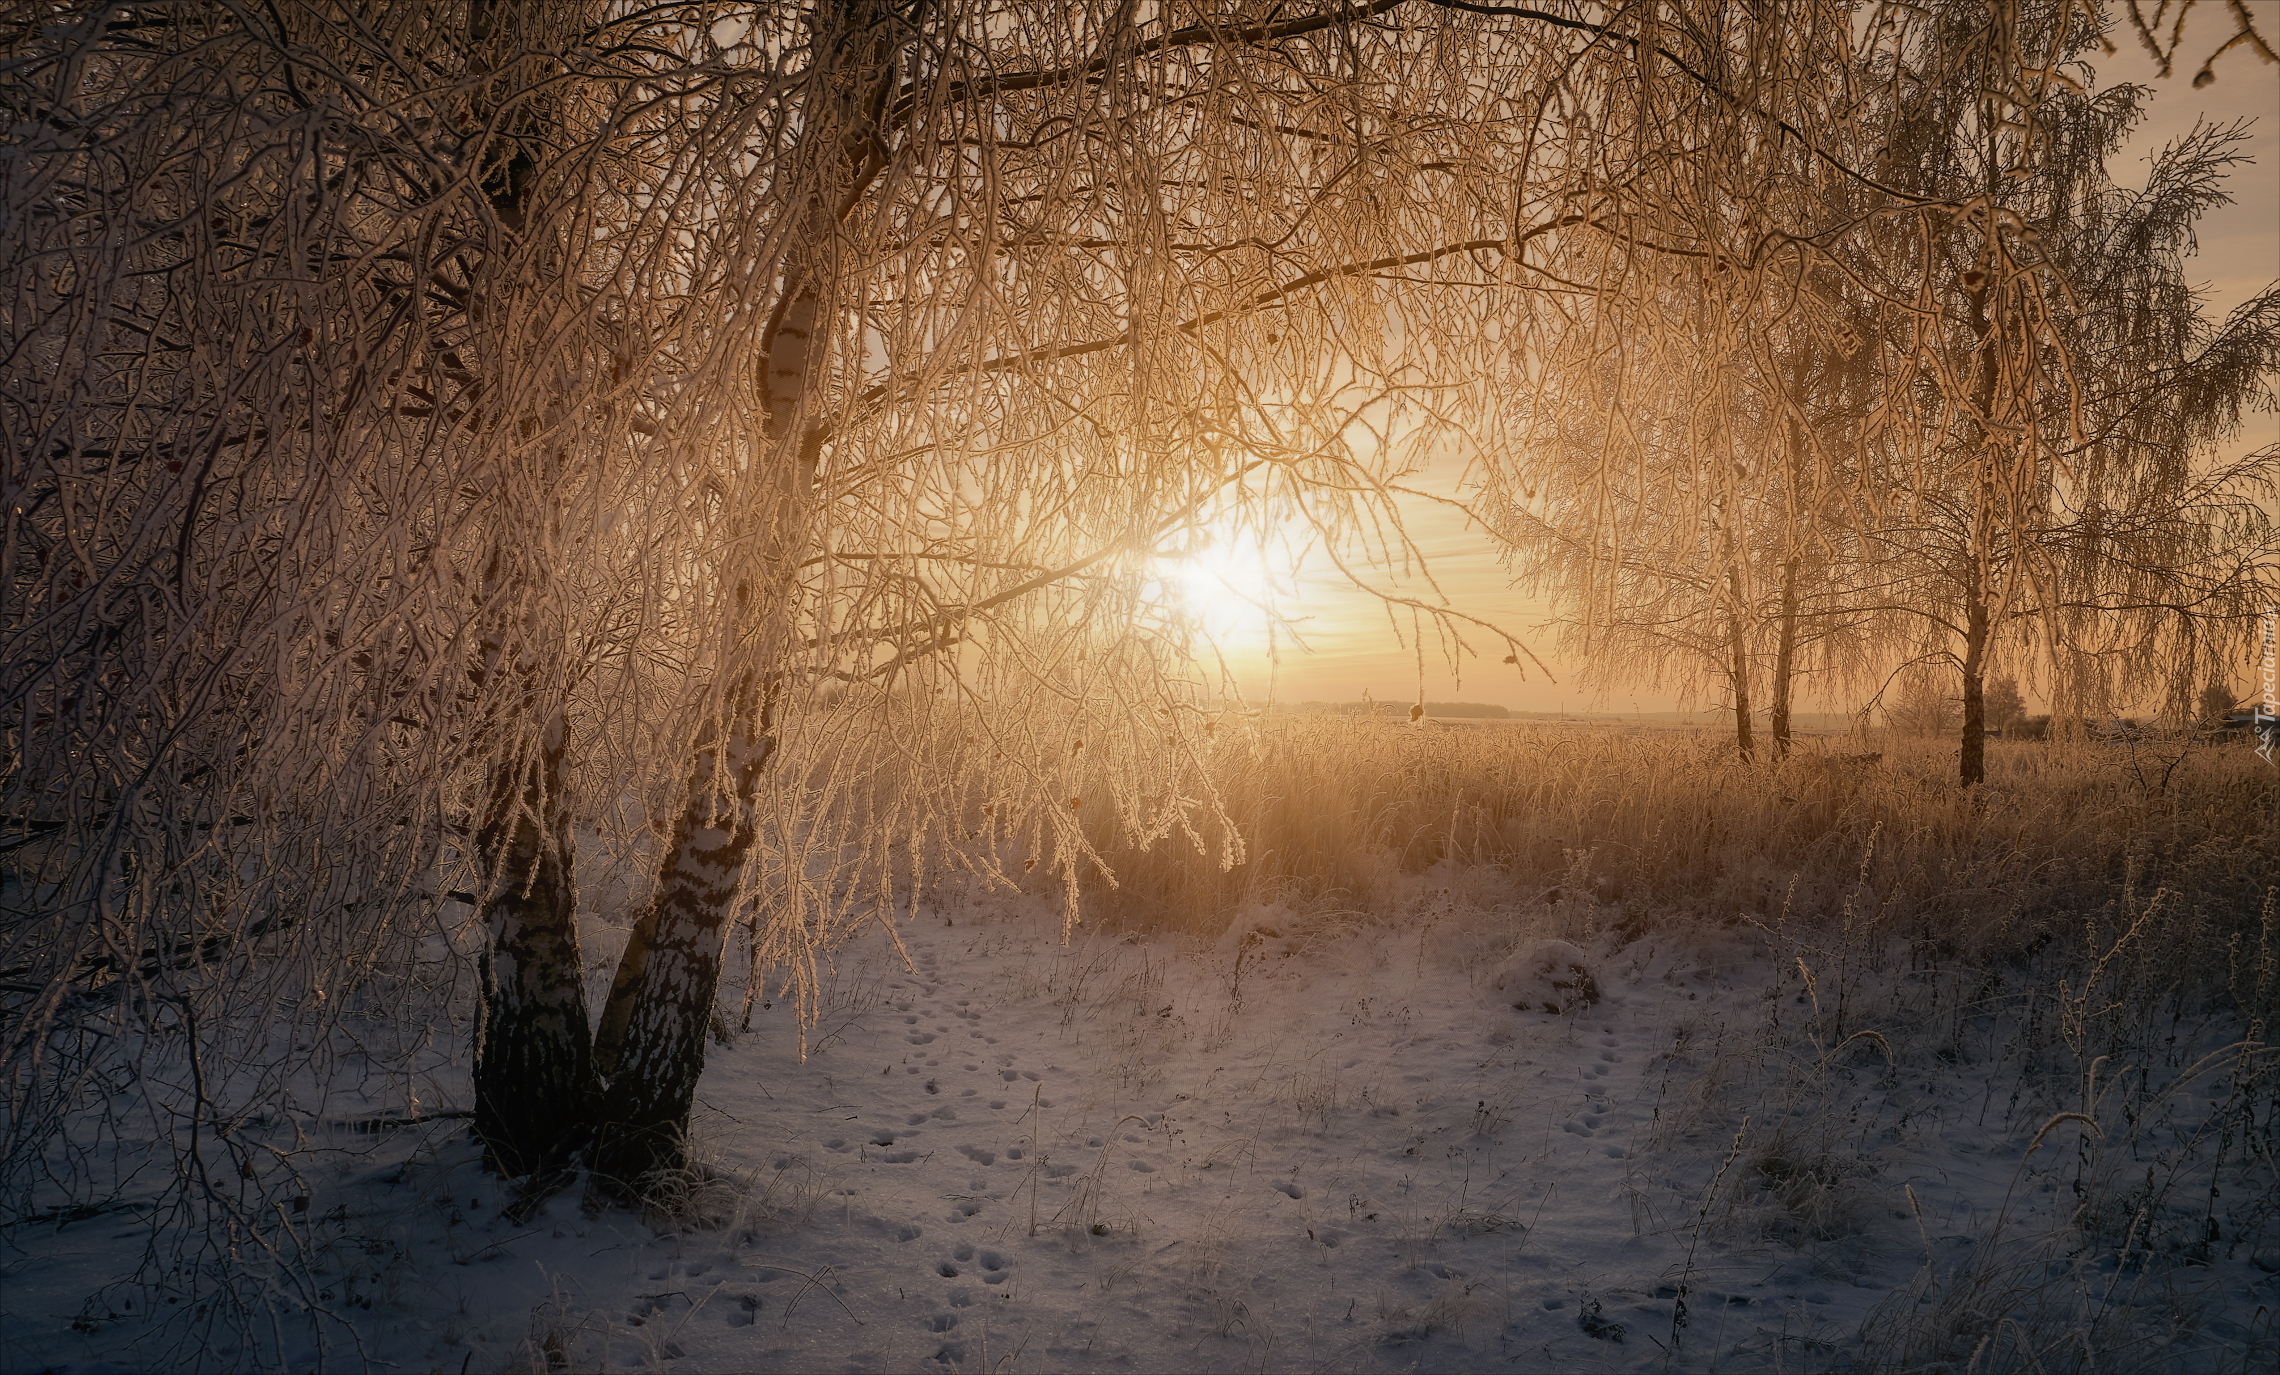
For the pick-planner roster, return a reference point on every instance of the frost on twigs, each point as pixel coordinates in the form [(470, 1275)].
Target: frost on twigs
[(1545, 976)]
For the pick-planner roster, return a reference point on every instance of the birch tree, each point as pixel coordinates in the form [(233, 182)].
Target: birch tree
[(1956, 302), (1692, 500), (433, 424), (2062, 481), (1680, 466), (411, 375)]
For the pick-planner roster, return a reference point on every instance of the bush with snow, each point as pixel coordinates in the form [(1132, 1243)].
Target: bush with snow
[(1545, 976)]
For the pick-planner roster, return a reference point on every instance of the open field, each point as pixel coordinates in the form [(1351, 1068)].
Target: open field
[(1878, 1076)]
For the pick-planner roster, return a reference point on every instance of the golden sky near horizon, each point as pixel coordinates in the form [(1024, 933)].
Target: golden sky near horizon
[(1354, 648)]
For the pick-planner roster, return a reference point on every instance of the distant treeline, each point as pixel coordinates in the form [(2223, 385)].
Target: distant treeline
[(1477, 710)]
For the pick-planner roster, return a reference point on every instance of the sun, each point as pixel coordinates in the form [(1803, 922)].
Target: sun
[(1229, 589)]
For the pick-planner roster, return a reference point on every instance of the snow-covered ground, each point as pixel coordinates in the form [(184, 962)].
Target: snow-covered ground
[(1344, 1151)]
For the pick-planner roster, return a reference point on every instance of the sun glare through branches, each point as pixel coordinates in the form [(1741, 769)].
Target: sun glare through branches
[(646, 715), (1234, 588)]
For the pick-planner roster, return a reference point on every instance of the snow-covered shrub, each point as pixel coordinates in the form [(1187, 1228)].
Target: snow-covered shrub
[(1545, 976)]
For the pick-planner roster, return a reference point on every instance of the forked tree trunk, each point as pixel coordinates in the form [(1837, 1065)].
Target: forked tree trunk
[(534, 1066), (650, 1049)]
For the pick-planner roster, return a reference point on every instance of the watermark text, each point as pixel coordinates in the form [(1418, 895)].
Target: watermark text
[(2268, 686)]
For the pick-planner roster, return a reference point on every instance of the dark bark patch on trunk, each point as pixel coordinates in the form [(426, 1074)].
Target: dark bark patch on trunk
[(534, 1067)]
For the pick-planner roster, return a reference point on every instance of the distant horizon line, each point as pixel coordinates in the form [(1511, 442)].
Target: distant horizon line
[(1395, 708)]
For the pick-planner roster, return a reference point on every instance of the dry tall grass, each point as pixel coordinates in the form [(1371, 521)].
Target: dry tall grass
[(2065, 843), (2092, 941)]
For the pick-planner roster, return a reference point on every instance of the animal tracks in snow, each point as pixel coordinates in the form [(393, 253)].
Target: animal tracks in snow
[(1095, 1156), (1585, 1124), (1123, 1167)]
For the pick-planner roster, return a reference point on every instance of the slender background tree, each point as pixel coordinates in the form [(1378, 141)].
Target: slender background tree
[(2011, 432)]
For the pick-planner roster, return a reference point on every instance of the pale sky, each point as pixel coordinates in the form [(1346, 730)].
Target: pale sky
[(1356, 650)]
